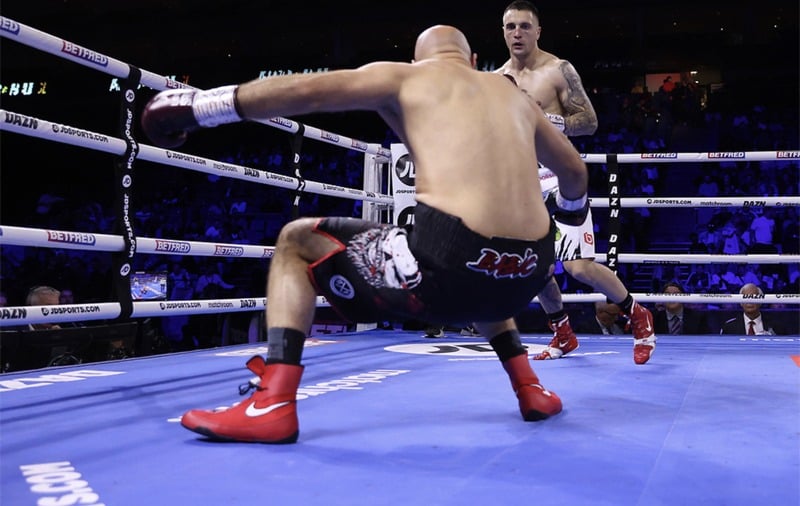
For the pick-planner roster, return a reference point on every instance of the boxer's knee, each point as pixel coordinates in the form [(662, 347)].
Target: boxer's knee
[(298, 236), (296, 232)]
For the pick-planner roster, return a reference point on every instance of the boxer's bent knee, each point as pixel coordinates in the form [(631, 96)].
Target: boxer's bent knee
[(296, 231)]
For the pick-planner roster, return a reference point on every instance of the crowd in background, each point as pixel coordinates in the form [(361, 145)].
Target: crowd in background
[(178, 204)]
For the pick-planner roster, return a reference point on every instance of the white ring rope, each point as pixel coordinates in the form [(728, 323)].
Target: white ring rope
[(67, 50), (688, 259), (23, 315), (708, 156), (26, 125), (62, 239), (43, 129), (699, 202)]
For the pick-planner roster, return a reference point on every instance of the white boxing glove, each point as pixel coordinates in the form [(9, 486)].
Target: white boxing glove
[(557, 120)]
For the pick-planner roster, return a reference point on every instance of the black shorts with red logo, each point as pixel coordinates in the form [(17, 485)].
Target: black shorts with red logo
[(438, 271)]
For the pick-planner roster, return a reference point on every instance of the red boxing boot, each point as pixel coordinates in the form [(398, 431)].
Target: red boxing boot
[(564, 341), (268, 416), (535, 402), (644, 337)]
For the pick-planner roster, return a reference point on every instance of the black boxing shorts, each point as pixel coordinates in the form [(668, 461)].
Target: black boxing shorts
[(439, 271)]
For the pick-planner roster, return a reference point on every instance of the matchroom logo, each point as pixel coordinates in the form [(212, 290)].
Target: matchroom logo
[(456, 350)]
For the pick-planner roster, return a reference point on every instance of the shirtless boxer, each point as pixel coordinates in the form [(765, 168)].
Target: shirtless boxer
[(556, 86), (475, 139)]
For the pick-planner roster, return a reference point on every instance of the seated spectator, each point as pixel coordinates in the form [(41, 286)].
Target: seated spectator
[(750, 274), (210, 284), (732, 243), (607, 320), (698, 281), (732, 278), (43, 296), (716, 283), (678, 319), (751, 322), (214, 231)]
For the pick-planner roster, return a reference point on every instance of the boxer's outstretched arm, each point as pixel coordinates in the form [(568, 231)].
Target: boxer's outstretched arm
[(172, 114)]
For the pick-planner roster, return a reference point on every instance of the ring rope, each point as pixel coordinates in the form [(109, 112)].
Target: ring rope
[(755, 201), (693, 258), (43, 129), (23, 315), (67, 50), (708, 156), (62, 239)]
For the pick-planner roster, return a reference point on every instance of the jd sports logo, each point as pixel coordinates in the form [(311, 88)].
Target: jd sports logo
[(404, 168), (452, 350), (406, 217)]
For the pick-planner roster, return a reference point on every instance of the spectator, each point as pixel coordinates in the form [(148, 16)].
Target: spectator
[(698, 281), (732, 278), (43, 296), (667, 85), (677, 318), (751, 321), (762, 229), (210, 284), (732, 243)]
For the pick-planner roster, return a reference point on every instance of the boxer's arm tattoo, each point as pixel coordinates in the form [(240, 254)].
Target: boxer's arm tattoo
[(580, 117)]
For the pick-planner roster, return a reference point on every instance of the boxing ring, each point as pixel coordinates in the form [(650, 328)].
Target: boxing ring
[(389, 417)]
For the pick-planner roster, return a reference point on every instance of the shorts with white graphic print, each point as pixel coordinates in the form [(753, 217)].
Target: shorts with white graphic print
[(371, 275), (438, 271)]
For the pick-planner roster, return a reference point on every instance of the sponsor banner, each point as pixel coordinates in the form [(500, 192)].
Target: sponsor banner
[(726, 155), (403, 186), (671, 202), (168, 246), (84, 239), (84, 54), (21, 120), (9, 26)]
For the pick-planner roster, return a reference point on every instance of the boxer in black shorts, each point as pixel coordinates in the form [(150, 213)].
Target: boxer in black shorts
[(482, 243), (438, 271)]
